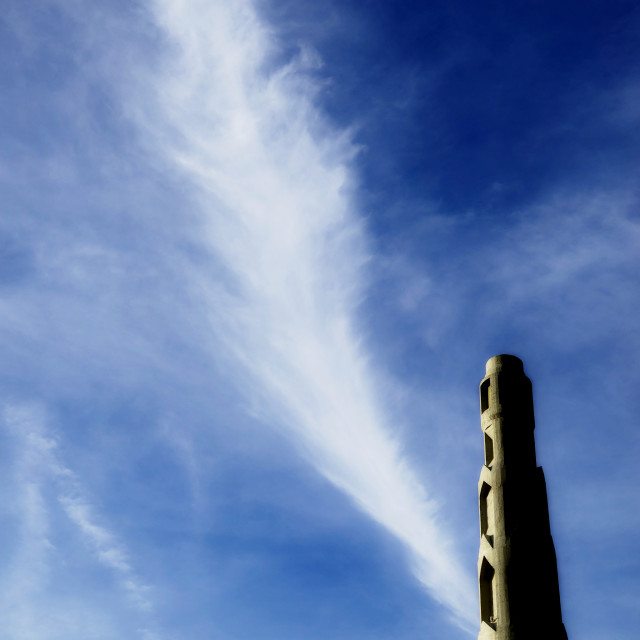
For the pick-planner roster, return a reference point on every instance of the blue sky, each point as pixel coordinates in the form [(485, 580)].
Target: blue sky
[(253, 258)]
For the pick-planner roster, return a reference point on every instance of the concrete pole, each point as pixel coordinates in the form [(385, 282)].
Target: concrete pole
[(517, 572)]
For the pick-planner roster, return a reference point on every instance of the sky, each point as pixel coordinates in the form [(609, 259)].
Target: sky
[(254, 255)]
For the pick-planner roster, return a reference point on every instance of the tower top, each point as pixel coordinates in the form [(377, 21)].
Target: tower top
[(504, 361)]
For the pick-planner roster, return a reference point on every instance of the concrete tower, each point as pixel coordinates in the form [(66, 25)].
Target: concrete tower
[(519, 595)]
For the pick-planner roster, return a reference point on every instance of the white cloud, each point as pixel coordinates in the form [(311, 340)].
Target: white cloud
[(109, 552), (274, 184), (40, 478)]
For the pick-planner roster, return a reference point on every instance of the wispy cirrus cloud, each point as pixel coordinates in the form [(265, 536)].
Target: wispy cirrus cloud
[(42, 481), (274, 184), (565, 257)]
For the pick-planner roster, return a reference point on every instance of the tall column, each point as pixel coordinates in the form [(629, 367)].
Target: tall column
[(519, 595)]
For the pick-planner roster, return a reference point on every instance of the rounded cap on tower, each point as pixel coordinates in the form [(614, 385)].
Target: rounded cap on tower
[(504, 362)]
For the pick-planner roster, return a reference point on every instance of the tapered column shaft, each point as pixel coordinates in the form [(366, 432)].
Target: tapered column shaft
[(517, 573)]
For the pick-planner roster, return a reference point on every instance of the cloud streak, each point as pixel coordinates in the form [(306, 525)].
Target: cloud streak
[(274, 183), (43, 478)]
